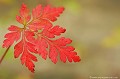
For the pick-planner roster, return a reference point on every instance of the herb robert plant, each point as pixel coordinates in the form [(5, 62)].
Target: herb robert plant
[(36, 37)]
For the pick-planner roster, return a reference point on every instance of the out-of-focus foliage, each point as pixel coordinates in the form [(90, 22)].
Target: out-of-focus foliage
[(6, 1), (72, 5), (113, 39)]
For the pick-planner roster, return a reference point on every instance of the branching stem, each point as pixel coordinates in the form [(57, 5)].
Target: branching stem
[(3, 56)]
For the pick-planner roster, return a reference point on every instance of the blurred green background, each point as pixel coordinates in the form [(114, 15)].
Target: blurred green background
[(94, 26)]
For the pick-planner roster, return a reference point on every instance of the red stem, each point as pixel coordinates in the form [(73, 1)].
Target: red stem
[(3, 56)]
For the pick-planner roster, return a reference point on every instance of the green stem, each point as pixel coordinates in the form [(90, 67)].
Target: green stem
[(3, 56)]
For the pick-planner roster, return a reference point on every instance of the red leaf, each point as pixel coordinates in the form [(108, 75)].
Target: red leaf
[(66, 52), (53, 54), (51, 32), (62, 41), (14, 35), (18, 49), (24, 15), (52, 13), (39, 24), (36, 12), (41, 48), (43, 16), (35, 37), (24, 47), (27, 59), (30, 36)]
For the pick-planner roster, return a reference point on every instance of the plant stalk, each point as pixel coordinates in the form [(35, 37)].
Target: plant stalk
[(3, 56)]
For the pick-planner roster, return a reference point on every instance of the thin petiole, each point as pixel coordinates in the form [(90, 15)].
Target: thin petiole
[(3, 56)]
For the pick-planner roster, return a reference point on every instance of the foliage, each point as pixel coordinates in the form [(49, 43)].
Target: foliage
[(36, 37), (112, 40)]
